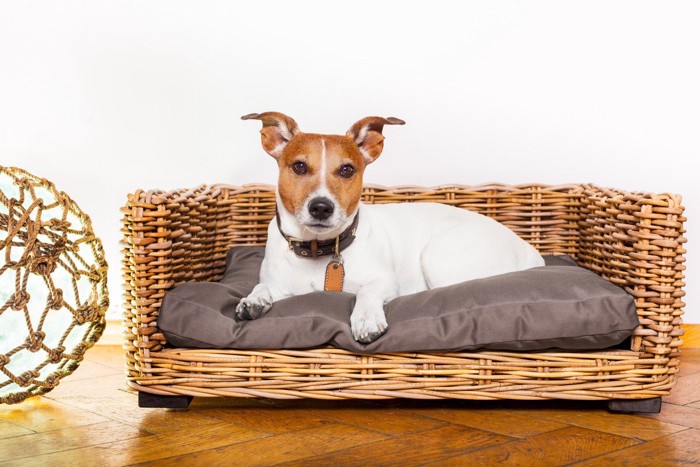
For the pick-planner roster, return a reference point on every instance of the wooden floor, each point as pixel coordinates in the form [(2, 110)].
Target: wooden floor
[(90, 419)]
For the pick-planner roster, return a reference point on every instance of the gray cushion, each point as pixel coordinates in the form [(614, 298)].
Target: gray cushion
[(559, 305)]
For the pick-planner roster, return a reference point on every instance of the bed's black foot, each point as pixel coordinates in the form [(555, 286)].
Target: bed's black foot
[(635, 405), (148, 400)]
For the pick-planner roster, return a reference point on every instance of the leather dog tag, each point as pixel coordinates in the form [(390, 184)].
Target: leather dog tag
[(335, 273)]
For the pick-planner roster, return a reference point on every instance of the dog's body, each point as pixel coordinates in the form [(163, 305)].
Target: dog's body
[(398, 249)]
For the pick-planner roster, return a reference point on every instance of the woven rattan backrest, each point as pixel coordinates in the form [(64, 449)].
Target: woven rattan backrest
[(545, 216)]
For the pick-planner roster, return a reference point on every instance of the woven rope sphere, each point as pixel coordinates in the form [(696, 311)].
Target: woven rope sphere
[(53, 285)]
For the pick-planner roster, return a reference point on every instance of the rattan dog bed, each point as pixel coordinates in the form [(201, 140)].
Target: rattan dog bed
[(634, 240)]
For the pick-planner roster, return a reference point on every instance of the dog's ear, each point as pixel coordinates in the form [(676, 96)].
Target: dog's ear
[(367, 135), (278, 129)]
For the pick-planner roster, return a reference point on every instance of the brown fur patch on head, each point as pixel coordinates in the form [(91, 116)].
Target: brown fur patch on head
[(295, 189), (340, 151)]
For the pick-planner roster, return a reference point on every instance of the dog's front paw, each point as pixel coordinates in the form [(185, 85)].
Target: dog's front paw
[(252, 309), (367, 326), (256, 304)]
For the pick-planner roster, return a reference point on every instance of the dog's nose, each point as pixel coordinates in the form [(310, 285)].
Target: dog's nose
[(321, 208)]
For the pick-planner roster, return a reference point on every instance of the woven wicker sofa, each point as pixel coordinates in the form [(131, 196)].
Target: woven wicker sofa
[(635, 240)]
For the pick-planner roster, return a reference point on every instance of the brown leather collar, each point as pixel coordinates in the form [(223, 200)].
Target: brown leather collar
[(315, 248)]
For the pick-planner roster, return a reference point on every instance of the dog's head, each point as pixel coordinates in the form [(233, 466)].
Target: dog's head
[(320, 176)]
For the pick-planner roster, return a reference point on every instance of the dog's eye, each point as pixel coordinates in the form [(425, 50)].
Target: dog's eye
[(346, 171), (299, 168)]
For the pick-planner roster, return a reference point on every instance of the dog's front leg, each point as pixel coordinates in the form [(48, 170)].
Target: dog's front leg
[(254, 305), (368, 321)]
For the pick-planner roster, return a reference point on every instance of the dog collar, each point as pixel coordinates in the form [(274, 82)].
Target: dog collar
[(315, 248)]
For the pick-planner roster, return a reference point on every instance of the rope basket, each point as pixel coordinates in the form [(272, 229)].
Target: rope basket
[(53, 285)]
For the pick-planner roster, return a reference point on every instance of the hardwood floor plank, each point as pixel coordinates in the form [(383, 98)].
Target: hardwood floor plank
[(498, 420), (8, 430), (690, 361), (281, 448), (88, 370), (691, 336), (417, 448), (391, 421), (554, 448), (37, 444), (103, 386), (107, 399), (42, 414), (678, 415), (108, 355), (686, 391), (630, 426), (125, 411), (147, 449), (267, 418), (676, 449), (689, 368)]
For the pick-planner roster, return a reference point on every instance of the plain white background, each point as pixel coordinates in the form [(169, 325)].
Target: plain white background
[(103, 97)]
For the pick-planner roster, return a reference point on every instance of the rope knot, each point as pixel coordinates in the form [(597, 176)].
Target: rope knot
[(13, 398), (51, 381), (56, 299), (88, 311), (57, 224), (56, 355), (42, 265), (35, 340), (20, 300), (24, 183), (27, 378)]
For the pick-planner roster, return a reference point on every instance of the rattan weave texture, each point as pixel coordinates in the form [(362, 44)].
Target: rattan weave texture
[(634, 240)]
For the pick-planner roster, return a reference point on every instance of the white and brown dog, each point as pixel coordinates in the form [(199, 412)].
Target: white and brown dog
[(324, 234)]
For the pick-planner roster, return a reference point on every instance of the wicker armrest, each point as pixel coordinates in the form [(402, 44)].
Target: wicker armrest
[(635, 240), (181, 236)]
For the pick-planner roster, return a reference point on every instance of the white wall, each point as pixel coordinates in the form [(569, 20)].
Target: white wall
[(104, 97)]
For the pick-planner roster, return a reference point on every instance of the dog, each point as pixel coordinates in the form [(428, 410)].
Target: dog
[(377, 252)]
